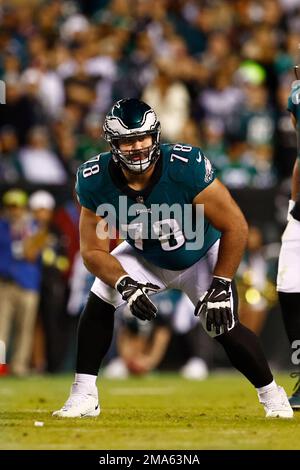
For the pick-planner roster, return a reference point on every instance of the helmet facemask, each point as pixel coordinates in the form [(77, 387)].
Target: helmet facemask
[(136, 160)]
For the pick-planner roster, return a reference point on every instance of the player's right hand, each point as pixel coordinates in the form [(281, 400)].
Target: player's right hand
[(215, 306), (135, 294)]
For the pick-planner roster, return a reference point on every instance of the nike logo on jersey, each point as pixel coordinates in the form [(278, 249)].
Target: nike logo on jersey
[(199, 158)]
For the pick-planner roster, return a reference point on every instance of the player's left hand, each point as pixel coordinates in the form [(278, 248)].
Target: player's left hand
[(215, 306)]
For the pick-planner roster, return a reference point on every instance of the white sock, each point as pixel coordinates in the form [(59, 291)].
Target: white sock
[(267, 388), (85, 381)]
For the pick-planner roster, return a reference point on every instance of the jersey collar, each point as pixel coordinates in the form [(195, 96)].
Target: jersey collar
[(119, 180)]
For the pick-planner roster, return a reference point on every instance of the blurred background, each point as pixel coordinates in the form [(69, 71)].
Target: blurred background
[(218, 74)]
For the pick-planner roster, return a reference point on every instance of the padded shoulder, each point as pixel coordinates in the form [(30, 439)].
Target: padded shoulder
[(90, 180), (189, 167)]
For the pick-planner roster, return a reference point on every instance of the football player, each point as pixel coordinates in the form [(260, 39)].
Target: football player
[(143, 173), (288, 279)]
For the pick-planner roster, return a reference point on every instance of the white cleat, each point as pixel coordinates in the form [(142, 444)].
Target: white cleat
[(276, 404), (79, 404)]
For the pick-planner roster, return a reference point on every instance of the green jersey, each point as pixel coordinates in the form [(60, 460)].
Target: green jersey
[(294, 108), (150, 218)]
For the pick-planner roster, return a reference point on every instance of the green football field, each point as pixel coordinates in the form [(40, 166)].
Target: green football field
[(156, 412)]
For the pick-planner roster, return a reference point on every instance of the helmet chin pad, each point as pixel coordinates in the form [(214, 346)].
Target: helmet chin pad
[(138, 160)]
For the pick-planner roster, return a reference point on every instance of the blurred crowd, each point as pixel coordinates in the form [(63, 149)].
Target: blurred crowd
[(217, 72), (36, 251)]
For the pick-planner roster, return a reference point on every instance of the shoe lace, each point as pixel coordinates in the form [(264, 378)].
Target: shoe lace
[(294, 375)]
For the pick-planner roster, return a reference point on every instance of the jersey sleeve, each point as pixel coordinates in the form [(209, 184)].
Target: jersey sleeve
[(83, 193), (191, 169), (203, 174)]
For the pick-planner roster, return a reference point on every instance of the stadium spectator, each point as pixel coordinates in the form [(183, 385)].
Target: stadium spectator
[(141, 346), (53, 289), (38, 162), (171, 99), (255, 283), (89, 143), (18, 105), (20, 275), (10, 168)]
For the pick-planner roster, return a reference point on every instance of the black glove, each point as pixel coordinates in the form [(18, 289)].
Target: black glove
[(215, 306), (135, 294)]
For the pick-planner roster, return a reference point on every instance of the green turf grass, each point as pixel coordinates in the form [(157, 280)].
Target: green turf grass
[(157, 412)]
